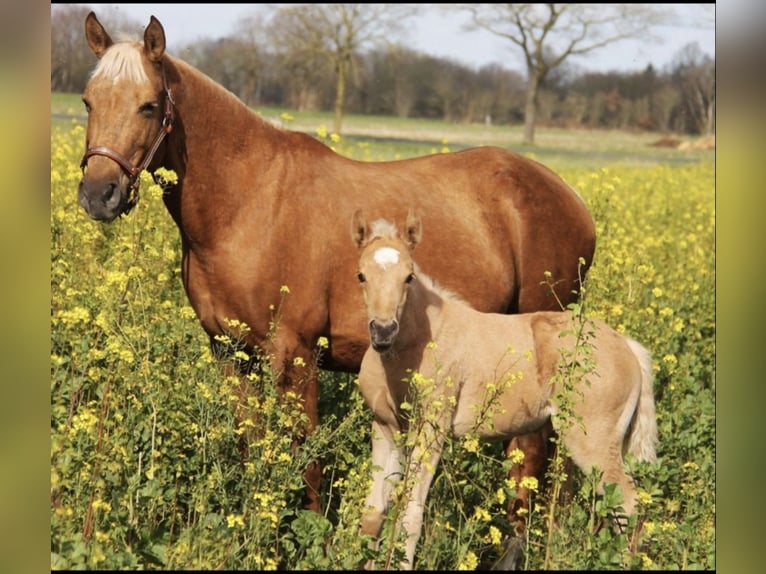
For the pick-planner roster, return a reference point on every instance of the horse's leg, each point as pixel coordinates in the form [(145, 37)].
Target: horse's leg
[(534, 464), (294, 366), (604, 452), (386, 472), (422, 464)]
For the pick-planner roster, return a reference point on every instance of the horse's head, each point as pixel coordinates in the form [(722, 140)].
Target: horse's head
[(386, 270), (130, 111)]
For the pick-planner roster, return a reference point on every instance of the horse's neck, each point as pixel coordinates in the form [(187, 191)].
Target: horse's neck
[(215, 139), (213, 119)]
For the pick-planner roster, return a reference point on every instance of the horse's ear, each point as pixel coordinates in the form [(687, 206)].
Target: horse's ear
[(154, 40), (96, 36), (414, 229), (359, 228)]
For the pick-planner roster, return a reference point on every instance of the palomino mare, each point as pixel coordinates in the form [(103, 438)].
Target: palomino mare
[(257, 209), (485, 373)]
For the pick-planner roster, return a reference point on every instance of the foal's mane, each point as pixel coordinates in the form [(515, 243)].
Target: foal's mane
[(384, 229)]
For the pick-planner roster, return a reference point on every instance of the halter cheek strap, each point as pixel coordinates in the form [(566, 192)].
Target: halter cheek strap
[(134, 171)]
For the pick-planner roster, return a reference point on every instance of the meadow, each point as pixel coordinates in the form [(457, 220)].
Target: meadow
[(145, 469)]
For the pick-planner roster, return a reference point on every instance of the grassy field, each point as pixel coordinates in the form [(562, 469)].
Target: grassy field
[(145, 470)]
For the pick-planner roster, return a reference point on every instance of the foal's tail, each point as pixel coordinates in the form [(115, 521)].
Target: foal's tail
[(642, 435)]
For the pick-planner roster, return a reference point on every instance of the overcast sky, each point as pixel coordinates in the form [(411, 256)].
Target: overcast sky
[(442, 35)]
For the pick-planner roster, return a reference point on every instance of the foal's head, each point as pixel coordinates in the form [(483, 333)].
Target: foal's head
[(386, 270)]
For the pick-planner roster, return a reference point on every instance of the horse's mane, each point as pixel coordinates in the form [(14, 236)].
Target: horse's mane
[(122, 61), (384, 229)]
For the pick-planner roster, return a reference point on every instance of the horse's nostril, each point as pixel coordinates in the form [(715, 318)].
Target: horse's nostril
[(109, 193)]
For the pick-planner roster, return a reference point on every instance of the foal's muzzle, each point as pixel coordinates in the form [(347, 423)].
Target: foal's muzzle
[(383, 334)]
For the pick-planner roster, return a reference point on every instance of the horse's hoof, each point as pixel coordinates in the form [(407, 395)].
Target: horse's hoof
[(512, 554)]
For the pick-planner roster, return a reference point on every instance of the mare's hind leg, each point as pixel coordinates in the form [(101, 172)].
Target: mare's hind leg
[(535, 447)]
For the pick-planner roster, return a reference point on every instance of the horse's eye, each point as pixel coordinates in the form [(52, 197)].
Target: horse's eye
[(148, 109), (409, 278), (87, 106), (361, 277)]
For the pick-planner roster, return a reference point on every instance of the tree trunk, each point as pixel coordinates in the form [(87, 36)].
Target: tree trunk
[(530, 109), (340, 95)]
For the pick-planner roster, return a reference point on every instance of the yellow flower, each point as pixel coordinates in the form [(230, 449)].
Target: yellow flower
[(644, 497), (494, 535), (471, 444), (322, 342), (235, 520), (469, 563), (284, 289), (481, 514), (516, 456), (529, 482)]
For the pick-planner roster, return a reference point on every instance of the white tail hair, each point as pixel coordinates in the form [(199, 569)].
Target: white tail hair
[(642, 435)]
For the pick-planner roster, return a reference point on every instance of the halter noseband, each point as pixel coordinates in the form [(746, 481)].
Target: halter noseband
[(134, 171)]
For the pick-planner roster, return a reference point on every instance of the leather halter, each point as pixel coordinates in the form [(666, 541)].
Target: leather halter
[(134, 171)]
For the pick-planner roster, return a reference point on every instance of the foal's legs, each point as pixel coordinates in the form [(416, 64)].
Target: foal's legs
[(387, 470), (604, 452)]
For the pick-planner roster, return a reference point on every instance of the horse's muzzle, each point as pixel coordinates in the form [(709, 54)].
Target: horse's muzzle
[(383, 334), (104, 200)]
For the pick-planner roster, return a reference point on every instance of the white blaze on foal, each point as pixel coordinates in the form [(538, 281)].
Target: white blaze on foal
[(386, 256)]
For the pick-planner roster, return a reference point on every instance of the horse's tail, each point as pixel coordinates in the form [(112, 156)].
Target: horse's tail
[(642, 434)]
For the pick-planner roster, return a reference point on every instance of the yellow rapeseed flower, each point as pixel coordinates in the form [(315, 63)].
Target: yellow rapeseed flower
[(516, 456), (494, 535), (235, 520), (529, 482), (470, 562)]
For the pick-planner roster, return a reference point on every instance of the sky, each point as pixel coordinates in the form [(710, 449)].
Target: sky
[(443, 35)]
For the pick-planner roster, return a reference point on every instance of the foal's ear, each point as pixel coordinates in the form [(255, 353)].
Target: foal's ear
[(359, 228), (154, 40), (96, 36), (414, 229)]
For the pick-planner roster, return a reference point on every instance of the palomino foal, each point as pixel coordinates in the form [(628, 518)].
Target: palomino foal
[(483, 373)]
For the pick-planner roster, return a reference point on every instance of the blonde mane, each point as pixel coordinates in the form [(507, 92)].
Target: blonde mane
[(120, 62)]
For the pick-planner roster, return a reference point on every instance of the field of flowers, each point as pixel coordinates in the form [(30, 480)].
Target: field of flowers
[(145, 469)]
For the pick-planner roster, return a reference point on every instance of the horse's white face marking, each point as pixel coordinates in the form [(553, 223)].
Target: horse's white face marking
[(386, 256)]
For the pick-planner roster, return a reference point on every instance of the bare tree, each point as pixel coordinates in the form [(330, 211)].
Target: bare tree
[(336, 32), (549, 34), (694, 73)]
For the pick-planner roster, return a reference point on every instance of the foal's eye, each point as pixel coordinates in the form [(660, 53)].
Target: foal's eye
[(361, 277), (147, 110), (409, 278), (87, 106)]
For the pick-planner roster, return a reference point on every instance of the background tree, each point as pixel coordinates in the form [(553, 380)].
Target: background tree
[(549, 34), (336, 33), (695, 76)]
